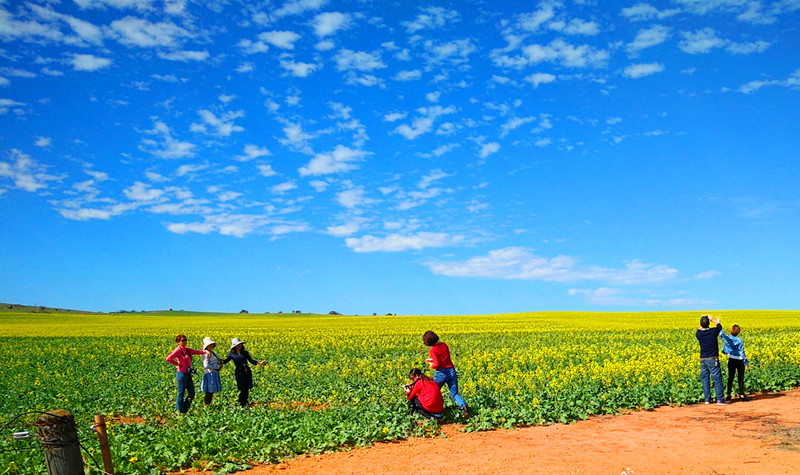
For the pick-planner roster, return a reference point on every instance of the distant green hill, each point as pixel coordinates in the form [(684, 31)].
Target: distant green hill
[(17, 308)]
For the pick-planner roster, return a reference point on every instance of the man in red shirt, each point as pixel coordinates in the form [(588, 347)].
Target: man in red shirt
[(424, 395)]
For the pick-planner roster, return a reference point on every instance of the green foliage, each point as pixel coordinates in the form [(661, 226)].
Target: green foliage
[(332, 383)]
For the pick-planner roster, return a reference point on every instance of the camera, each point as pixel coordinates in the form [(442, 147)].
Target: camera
[(192, 370)]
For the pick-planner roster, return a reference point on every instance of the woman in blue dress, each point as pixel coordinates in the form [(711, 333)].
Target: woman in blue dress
[(211, 365)]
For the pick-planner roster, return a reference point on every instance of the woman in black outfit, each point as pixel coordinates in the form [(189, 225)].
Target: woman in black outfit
[(244, 376)]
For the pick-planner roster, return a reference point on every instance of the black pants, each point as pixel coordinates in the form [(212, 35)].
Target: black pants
[(244, 396), (207, 397), (415, 406), (735, 366)]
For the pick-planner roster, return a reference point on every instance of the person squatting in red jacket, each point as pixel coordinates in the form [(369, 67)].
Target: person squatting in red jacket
[(424, 395)]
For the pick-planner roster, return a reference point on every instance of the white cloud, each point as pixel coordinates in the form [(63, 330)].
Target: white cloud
[(635, 71), (297, 7), (341, 159), (238, 225), (346, 229), (434, 175), (707, 275), (394, 116), (168, 147), (191, 169), (266, 170), (43, 142), (576, 26), (132, 31), (489, 149), (400, 242), (532, 21), (252, 151), (644, 11), (328, 23), (184, 56), (349, 60), (431, 17), (284, 187), (557, 51), (25, 172), (652, 36), (280, 39), (424, 124), (296, 138), (748, 48), (419, 126), (353, 198), (408, 75), (253, 47), (540, 78), (518, 263), (88, 62), (298, 69), (456, 51), (223, 125), (142, 192), (228, 196), (700, 41)]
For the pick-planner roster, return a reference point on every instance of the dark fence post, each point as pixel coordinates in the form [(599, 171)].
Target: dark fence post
[(59, 438)]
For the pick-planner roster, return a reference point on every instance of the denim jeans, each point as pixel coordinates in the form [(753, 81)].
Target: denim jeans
[(185, 385), (449, 376), (711, 367)]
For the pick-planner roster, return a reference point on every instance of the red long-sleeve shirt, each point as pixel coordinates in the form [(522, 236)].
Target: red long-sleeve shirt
[(429, 394), (440, 354)]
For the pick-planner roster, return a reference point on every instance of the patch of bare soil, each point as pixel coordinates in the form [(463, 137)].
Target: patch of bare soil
[(758, 436)]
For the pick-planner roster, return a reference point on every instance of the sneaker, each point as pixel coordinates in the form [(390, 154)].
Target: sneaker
[(743, 398), (464, 412), (707, 402), (728, 397), (722, 402)]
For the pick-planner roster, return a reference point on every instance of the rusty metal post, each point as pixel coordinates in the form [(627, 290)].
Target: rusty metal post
[(59, 438), (102, 436)]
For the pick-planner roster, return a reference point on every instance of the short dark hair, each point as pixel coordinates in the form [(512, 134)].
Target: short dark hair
[(735, 330), (414, 372), (180, 337), (430, 338), (704, 321)]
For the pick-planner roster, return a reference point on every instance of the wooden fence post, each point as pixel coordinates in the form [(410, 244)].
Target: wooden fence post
[(102, 436), (59, 438)]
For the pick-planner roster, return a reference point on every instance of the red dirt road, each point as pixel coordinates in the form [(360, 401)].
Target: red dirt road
[(759, 436)]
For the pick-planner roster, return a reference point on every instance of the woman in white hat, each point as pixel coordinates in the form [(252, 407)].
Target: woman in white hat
[(244, 376), (211, 365)]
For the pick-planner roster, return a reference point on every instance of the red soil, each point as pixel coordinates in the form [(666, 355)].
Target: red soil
[(759, 436)]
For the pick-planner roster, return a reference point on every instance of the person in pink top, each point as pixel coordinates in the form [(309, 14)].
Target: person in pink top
[(181, 358), (445, 370)]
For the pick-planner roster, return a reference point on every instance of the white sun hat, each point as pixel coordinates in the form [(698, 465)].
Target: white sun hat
[(235, 342), (208, 341)]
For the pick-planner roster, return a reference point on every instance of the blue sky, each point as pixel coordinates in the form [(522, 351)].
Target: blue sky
[(400, 157)]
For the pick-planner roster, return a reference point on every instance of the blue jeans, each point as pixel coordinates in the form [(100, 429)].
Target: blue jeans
[(711, 367), (185, 385), (449, 376)]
